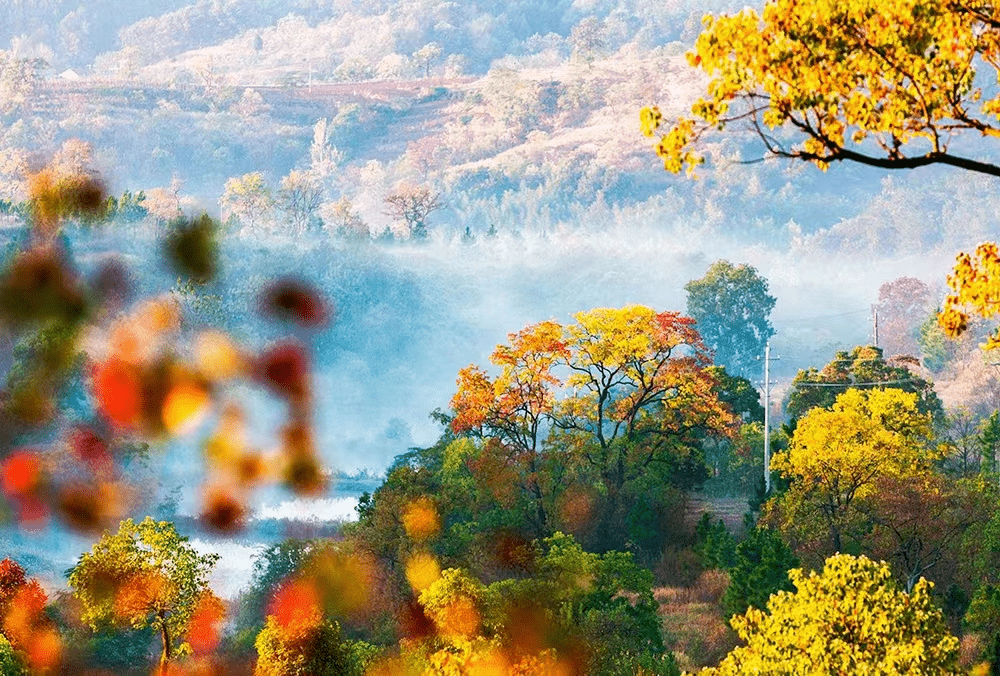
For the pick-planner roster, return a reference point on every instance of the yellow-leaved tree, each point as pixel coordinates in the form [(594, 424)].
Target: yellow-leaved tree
[(849, 619), (884, 83), (837, 459), (887, 83)]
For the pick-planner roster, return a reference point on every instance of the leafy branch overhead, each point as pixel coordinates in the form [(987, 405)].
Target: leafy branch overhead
[(887, 84), (894, 85)]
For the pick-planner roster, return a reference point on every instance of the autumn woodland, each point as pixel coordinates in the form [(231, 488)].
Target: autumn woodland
[(583, 337)]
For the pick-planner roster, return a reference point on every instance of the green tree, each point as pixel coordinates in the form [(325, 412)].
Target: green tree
[(760, 569), (271, 567), (307, 650), (586, 612), (988, 438), (145, 575), (737, 462), (983, 615), (863, 368), (10, 662), (848, 619), (732, 309), (935, 348), (606, 600)]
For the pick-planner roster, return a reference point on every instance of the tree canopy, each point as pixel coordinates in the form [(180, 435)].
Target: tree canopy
[(732, 309), (838, 455), (145, 575), (862, 368), (622, 391), (818, 629), (888, 84)]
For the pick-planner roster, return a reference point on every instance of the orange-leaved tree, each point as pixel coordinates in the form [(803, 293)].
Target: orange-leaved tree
[(514, 407), (23, 621), (620, 389)]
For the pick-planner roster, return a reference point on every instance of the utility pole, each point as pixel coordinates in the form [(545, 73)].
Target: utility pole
[(767, 417), (875, 324)]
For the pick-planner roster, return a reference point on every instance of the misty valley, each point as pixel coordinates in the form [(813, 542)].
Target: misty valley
[(583, 337)]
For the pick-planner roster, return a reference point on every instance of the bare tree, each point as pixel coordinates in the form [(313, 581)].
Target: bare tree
[(412, 205), (299, 197)]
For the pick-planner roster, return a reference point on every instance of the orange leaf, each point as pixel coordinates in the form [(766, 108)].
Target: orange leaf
[(21, 473), (203, 631), (119, 392), (296, 605)]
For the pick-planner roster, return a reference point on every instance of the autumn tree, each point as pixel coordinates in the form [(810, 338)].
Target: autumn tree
[(637, 395), (850, 618), (412, 205), (732, 307), (975, 289), (24, 625), (145, 575), (304, 649), (838, 456), (889, 85), (342, 220), (515, 407), (248, 198), (863, 368)]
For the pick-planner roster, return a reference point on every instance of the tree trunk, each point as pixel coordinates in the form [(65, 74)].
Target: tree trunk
[(536, 495), (167, 654), (835, 537)]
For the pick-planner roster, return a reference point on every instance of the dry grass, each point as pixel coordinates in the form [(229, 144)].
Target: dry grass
[(970, 651), (707, 589), (677, 568), (694, 627)]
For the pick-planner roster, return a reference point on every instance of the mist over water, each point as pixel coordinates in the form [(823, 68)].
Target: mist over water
[(473, 295)]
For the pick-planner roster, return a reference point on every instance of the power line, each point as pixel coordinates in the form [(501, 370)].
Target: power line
[(833, 316), (852, 384)]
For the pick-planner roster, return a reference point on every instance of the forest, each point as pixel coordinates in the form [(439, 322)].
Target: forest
[(370, 338)]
